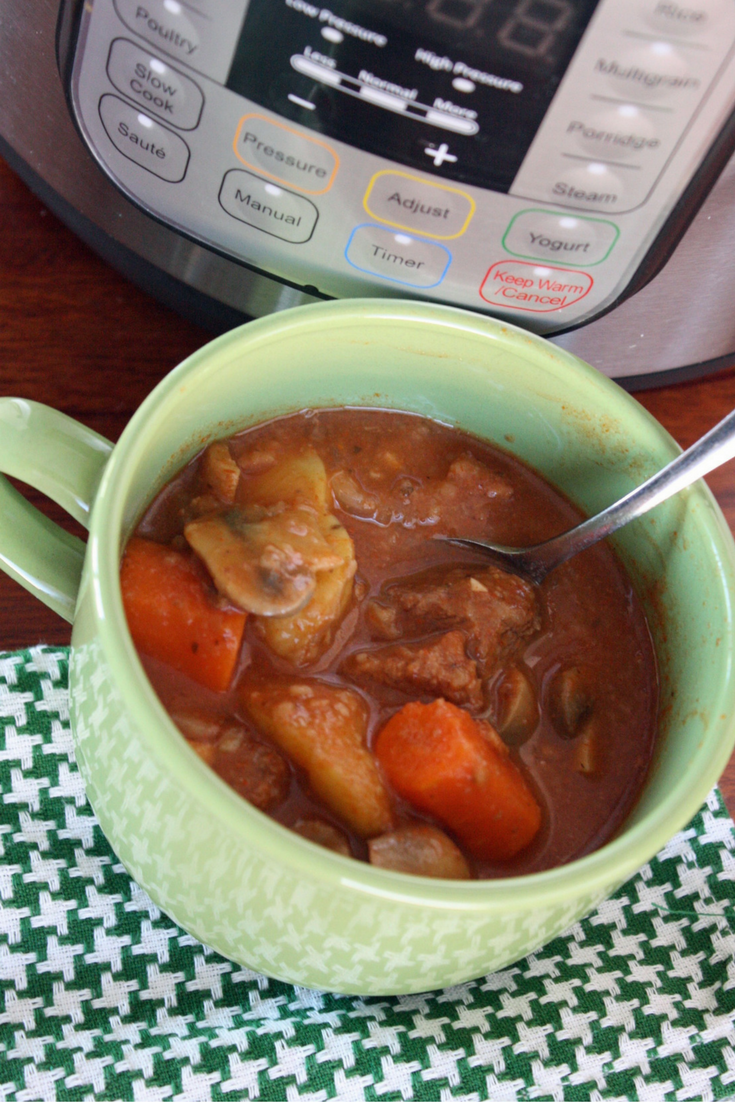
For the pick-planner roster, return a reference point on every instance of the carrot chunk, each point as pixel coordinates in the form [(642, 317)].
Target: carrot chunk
[(172, 617), (437, 757)]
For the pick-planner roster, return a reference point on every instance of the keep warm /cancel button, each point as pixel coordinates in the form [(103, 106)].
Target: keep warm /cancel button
[(520, 285)]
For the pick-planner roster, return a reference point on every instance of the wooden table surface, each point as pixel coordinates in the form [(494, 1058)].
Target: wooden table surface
[(80, 337)]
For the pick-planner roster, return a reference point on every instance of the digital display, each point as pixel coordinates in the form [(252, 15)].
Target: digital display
[(454, 87)]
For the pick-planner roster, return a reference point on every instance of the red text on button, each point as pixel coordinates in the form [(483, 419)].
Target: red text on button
[(523, 285)]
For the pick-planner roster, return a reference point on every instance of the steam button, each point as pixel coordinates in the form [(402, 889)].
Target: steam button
[(143, 140)]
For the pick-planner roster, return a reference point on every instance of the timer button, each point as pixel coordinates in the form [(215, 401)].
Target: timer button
[(398, 257), (157, 87), (143, 140), (410, 203)]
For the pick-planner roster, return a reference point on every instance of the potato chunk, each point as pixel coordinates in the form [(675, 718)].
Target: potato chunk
[(419, 849), (323, 834), (296, 479), (220, 472), (305, 636), (323, 730)]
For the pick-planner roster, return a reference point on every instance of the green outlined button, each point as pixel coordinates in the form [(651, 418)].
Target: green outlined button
[(548, 235)]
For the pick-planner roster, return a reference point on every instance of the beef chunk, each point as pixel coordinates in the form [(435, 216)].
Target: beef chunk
[(492, 608), (434, 667), (257, 771)]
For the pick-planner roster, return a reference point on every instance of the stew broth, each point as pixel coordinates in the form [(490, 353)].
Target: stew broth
[(571, 685)]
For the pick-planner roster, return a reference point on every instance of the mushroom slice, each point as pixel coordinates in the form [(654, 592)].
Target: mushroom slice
[(516, 706), (323, 834), (571, 701), (419, 849), (267, 566)]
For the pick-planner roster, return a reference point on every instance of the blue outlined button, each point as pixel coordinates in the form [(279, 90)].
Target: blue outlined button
[(397, 256)]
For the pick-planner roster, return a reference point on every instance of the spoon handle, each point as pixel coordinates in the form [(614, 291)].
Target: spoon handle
[(713, 449)]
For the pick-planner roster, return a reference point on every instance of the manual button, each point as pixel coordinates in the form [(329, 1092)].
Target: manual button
[(267, 207), (410, 203), (143, 140)]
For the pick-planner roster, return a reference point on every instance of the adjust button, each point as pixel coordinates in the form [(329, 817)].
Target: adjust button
[(410, 203), (143, 140), (544, 235), (154, 85), (268, 207), (285, 155)]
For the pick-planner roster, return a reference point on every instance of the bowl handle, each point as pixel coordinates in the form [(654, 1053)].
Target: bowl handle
[(64, 460)]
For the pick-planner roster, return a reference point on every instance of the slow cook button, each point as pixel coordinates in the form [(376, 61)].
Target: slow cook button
[(285, 155), (267, 207), (544, 235), (397, 256), (143, 140), (165, 23), (410, 203), (518, 285), (163, 91)]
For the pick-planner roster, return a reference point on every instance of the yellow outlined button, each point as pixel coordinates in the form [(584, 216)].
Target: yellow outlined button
[(411, 203), (283, 154)]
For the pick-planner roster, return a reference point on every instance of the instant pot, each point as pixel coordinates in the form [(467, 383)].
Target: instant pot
[(562, 164)]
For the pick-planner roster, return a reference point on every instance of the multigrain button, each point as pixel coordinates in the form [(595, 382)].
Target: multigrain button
[(267, 206), (285, 155), (544, 235), (518, 285), (143, 140), (657, 71), (163, 91), (410, 203), (397, 257), (167, 24)]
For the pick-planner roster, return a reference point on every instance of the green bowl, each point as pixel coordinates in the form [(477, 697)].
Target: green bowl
[(236, 879)]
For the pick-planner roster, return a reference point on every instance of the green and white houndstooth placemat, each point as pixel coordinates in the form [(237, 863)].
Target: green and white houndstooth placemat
[(102, 997)]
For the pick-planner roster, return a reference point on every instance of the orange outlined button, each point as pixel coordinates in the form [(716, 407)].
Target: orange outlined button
[(522, 285), (275, 150), (410, 203)]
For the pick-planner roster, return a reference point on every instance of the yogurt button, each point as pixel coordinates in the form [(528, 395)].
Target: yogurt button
[(560, 237)]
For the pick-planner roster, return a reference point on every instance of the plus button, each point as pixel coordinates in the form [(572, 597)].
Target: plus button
[(440, 155)]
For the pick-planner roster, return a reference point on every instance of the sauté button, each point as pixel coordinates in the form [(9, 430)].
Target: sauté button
[(535, 288), (410, 203), (398, 257), (143, 140)]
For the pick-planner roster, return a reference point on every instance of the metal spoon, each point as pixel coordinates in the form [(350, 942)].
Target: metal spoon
[(534, 563)]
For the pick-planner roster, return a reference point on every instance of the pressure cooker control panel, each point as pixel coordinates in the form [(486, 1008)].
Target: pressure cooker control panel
[(516, 157)]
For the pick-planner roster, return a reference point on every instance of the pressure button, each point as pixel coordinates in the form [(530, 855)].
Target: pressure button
[(285, 155)]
